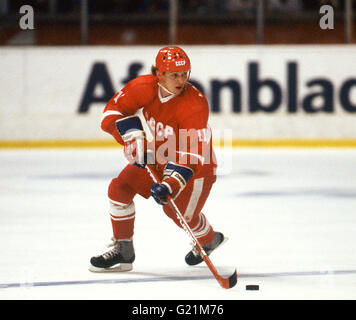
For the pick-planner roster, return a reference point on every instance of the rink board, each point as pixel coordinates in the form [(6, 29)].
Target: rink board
[(262, 95)]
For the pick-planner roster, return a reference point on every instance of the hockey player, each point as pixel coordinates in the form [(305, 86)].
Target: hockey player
[(176, 114)]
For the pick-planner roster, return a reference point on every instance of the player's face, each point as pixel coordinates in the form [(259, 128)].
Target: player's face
[(174, 81)]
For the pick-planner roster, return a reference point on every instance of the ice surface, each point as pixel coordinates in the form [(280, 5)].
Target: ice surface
[(290, 215)]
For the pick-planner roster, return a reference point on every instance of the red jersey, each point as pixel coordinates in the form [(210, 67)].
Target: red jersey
[(178, 123)]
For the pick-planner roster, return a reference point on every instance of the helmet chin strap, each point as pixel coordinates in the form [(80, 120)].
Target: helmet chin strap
[(164, 88)]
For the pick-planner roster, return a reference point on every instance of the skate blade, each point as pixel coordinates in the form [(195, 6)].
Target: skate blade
[(123, 267)]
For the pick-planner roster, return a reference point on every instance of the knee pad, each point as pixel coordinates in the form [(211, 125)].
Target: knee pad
[(119, 191)]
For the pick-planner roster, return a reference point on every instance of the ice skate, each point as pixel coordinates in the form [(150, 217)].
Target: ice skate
[(193, 257), (118, 259)]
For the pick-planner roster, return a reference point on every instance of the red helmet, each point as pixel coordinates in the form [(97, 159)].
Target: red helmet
[(172, 59)]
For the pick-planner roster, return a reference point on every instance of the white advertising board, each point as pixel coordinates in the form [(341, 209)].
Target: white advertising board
[(257, 92)]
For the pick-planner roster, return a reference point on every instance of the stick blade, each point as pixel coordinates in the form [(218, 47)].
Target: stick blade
[(233, 279), (228, 283)]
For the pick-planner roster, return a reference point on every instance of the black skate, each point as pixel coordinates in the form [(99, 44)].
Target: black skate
[(118, 259), (193, 257)]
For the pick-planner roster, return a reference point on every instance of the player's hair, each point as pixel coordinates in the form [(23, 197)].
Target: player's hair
[(154, 70)]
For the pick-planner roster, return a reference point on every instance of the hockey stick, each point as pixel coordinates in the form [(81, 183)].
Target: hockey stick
[(226, 283)]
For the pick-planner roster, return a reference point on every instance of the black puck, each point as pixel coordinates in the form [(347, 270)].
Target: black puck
[(252, 287)]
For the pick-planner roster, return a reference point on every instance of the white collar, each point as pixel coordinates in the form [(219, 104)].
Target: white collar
[(165, 99)]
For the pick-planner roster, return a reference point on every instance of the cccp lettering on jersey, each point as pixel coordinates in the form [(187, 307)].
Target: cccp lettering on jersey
[(161, 131)]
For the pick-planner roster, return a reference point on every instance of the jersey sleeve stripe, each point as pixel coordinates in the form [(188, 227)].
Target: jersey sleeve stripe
[(110, 113)]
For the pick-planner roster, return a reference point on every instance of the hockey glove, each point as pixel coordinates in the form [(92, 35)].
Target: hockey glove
[(175, 178), (133, 135)]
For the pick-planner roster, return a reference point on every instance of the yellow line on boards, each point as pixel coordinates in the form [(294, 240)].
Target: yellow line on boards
[(235, 143), (57, 144), (295, 143)]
